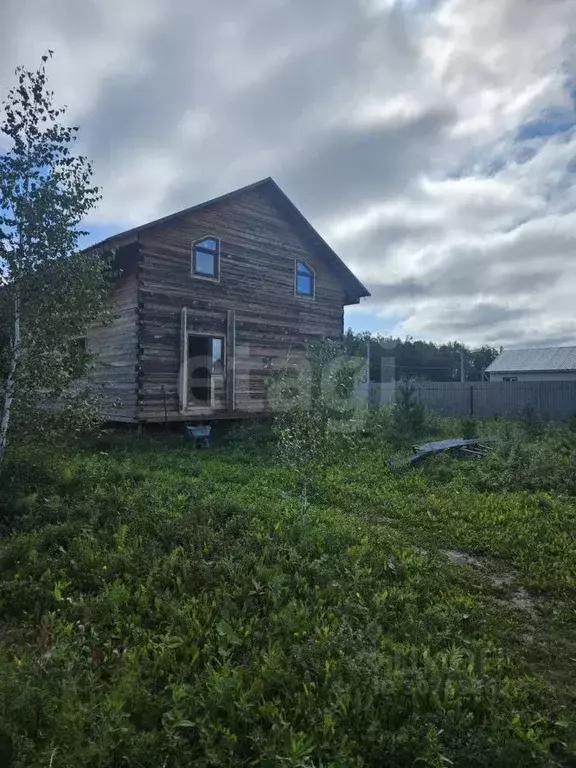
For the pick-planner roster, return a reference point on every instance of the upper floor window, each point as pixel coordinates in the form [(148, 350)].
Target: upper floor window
[(304, 280), (206, 258)]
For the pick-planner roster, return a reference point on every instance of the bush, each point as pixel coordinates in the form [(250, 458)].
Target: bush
[(469, 429), (379, 423), (409, 417), (548, 464), (530, 422), (571, 422), (316, 420)]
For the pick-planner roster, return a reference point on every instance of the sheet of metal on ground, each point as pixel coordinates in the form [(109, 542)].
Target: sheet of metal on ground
[(474, 448)]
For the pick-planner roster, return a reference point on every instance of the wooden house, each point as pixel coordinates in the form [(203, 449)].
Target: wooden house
[(209, 300)]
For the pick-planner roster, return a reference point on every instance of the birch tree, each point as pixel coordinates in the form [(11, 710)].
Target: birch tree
[(49, 293)]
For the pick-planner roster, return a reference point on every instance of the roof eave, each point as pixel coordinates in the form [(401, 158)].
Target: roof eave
[(358, 290), (534, 370)]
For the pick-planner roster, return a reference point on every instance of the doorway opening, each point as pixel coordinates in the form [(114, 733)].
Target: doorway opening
[(205, 368)]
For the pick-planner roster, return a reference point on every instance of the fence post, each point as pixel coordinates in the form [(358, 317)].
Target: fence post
[(471, 400)]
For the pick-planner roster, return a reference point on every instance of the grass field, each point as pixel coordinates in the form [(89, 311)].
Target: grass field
[(164, 607)]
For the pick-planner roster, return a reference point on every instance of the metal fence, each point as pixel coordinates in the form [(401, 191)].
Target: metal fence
[(551, 400)]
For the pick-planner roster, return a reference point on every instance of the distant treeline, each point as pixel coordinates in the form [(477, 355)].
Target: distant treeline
[(411, 359)]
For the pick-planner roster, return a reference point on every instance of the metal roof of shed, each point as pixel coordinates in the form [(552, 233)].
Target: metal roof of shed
[(549, 359)]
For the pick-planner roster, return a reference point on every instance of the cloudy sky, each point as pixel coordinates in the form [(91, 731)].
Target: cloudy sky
[(431, 142)]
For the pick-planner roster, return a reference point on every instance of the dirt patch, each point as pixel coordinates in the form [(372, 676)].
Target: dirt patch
[(464, 558), (521, 599), (517, 597)]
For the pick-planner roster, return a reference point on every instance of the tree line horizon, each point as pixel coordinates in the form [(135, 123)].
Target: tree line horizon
[(396, 359)]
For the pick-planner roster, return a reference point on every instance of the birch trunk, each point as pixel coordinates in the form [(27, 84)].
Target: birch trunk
[(10, 389)]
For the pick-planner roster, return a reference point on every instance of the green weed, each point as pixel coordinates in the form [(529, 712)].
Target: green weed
[(162, 607)]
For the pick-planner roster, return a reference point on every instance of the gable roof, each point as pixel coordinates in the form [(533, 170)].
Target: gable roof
[(269, 187), (548, 359)]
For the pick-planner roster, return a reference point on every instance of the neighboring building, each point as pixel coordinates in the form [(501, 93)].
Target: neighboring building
[(209, 301), (550, 364)]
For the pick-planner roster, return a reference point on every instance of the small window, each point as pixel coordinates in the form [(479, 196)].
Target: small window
[(304, 285), (510, 378), (206, 258)]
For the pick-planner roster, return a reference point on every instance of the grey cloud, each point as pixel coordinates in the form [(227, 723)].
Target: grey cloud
[(496, 324), (448, 283), (346, 50), (50, 19), (351, 167), (276, 88), (291, 111), (519, 335), (381, 243), (484, 314), (180, 69), (476, 276), (407, 288), (140, 110), (332, 51)]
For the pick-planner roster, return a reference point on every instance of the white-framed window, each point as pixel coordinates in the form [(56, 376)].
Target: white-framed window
[(304, 280), (509, 378), (206, 258), (207, 374)]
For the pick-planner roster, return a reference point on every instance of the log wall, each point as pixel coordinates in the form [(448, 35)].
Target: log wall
[(115, 375), (254, 296)]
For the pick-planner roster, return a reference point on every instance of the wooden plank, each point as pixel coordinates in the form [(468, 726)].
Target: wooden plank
[(231, 359), (183, 387)]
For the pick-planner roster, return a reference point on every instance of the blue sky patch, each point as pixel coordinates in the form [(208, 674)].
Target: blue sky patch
[(369, 320), (552, 123), (96, 234)]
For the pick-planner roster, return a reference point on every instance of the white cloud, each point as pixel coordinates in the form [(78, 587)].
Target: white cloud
[(396, 125)]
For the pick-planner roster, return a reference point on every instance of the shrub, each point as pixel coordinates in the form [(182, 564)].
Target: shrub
[(409, 417), (315, 418), (379, 423), (469, 429), (571, 422), (531, 422), (548, 464)]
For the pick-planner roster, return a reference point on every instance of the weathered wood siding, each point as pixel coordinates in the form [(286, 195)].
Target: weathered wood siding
[(115, 375), (255, 295)]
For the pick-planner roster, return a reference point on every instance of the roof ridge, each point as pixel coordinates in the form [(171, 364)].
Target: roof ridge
[(536, 349), (181, 212), (281, 200)]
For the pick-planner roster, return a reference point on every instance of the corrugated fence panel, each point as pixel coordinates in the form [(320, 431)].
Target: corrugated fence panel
[(487, 399), (447, 401)]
